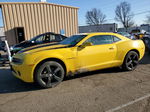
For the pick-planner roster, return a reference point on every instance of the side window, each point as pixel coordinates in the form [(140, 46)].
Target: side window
[(58, 38), (116, 39), (100, 39), (55, 38), (52, 38), (40, 39), (47, 38)]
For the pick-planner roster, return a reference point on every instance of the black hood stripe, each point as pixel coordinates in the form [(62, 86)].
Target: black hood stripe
[(55, 48), (37, 47)]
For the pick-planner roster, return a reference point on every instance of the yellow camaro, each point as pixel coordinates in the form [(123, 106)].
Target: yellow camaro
[(48, 64)]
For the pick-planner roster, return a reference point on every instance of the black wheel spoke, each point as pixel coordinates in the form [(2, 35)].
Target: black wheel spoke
[(57, 78), (129, 58), (49, 81), (129, 63), (135, 61), (135, 57), (48, 69), (44, 75), (56, 70)]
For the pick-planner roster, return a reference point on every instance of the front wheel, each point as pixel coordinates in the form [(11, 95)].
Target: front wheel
[(49, 74), (131, 61)]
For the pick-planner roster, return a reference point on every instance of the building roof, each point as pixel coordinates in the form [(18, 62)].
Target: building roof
[(6, 3), (99, 24)]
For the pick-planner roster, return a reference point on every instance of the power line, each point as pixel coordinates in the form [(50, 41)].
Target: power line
[(141, 13), (148, 11)]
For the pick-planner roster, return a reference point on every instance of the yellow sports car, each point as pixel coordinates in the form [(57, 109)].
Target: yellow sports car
[(48, 64)]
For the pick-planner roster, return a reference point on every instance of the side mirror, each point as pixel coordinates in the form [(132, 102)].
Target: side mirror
[(86, 44)]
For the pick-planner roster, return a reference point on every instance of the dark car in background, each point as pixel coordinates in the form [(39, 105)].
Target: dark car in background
[(48, 37), (2, 46), (146, 40)]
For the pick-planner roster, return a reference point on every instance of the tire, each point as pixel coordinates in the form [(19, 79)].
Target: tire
[(49, 74), (131, 61)]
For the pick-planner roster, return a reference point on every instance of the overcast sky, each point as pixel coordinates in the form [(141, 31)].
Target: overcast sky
[(138, 7)]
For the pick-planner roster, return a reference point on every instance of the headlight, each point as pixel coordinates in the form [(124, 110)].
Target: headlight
[(17, 60)]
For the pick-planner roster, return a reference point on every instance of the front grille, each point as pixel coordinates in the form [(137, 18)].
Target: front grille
[(16, 60)]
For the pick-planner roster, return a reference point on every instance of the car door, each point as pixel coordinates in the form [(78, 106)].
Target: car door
[(100, 55)]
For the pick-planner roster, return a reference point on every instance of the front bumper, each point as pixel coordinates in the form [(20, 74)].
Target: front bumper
[(23, 72)]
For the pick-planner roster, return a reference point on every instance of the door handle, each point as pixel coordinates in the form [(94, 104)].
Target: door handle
[(111, 48)]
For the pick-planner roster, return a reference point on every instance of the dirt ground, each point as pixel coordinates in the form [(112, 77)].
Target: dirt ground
[(110, 90)]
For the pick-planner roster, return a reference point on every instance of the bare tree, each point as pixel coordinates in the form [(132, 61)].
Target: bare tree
[(124, 15), (95, 17), (148, 19)]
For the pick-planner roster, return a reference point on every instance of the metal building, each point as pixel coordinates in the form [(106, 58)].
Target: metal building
[(35, 18)]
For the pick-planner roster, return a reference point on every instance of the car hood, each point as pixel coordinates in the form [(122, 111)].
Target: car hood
[(43, 47), (22, 44)]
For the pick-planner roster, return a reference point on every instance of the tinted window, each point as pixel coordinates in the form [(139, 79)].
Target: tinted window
[(58, 38), (100, 39), (45, 38), (39, 39), (52, 38), (116, 39), (73, 40)]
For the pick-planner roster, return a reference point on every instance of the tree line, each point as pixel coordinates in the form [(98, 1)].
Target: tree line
[(123, 15)]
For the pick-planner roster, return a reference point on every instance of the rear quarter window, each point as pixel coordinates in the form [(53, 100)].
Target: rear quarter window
[(116, 39)]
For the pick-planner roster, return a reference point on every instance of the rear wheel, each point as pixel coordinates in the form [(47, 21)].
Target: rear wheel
[(49, 74), (131, 61)]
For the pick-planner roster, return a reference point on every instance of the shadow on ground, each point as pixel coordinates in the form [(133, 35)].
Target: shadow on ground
[(10, 84)]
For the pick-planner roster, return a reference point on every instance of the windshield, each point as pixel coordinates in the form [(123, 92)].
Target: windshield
[(73, 40)]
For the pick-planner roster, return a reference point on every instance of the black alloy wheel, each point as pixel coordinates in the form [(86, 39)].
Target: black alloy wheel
[(131, 61), (49, 74)]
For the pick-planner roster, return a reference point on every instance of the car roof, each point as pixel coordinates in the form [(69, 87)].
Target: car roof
[(52, 33), (96, 33), (104, 33)]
